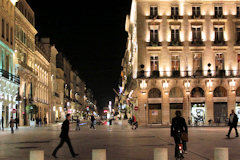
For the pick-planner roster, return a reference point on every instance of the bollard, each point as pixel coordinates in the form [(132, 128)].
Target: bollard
[(99, 154), (37, 155), (221, 154), (160, 154)]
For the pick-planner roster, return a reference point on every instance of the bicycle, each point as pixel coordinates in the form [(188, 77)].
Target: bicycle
[(180, 148)]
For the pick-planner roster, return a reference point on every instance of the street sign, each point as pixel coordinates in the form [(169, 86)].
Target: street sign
[(14, 111), (136, 108)]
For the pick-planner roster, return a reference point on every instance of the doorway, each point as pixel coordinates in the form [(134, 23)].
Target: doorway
[(154, 114)]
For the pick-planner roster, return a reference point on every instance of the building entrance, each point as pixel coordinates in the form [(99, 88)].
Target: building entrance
[(154, 114), (173, 108), (220, 112)]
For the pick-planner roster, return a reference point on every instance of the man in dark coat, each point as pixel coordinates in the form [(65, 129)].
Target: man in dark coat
[(178, 126), (65, 138), (92, 122), (233, 121)]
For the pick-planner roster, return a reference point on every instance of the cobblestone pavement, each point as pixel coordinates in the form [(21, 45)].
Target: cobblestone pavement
[(121, 142)]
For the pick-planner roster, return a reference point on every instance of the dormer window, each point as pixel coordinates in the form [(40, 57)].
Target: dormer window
[(218, 10), (196, 12), (153, 11), (174, 12), (238, 11)]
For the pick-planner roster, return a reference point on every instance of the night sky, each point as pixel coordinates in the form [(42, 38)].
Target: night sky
[(91, 35)]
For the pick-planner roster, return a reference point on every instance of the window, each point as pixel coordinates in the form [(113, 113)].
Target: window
[(7, 32), (174, 12), (197, 62), (196, 35), (11, 36), (238, 59), (153, 11), (219, 60), (3, 28), (238, 35), (153, 35), (219, 35), (154, 63), (238, 11), (196, 12), (175, 36), (218, 10), (175, 63)]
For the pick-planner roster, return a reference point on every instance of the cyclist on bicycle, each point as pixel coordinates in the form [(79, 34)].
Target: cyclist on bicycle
[(178, 126)]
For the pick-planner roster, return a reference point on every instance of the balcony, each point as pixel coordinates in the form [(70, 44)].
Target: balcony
[(175, 17), (175, 43), (9, 76), (189, 74), (153, 17), (196, 43), (219, 43), (154, 44)]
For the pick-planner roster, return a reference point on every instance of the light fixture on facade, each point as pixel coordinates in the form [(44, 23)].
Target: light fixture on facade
[(14, 2), (232, 85), (143, 84), (187, 86), (209, 85), (165, 86)]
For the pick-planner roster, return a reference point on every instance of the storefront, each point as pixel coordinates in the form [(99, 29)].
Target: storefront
[(198, 113), (154, 114), (237, 110)]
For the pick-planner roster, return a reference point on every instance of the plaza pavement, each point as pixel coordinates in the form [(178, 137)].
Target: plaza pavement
[(121, 142)]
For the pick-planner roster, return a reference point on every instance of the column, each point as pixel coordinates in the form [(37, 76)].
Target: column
[(209, 106), (1, 105), (231, 101), (143, 109), (165, 109)]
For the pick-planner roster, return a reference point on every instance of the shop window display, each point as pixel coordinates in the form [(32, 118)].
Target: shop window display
[(198, 113)]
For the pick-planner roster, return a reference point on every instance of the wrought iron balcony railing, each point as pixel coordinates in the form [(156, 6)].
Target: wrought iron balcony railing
[(9, 76), (190, 74)]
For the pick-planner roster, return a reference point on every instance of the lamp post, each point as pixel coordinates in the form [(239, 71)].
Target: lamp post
[(187, 87), (18, 99)]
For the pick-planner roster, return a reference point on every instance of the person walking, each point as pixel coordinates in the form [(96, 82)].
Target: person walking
[(92, 122), (12, 121), (178, 127), (78, 124), (233, 121), (40, 122), (37, 121), (17, 122), (65, 138)]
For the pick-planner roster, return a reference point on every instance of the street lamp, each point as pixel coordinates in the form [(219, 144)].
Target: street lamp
[(18, 99), (187, 87)]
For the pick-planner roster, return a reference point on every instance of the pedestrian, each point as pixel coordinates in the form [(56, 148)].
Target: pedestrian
[(92, 122), (40, 122), (45, 120), (78, 124), (2, 123), (17, 122), (134, 122), (233, 120), (65, 138), (37, 121), (12, 121), (177, 128)]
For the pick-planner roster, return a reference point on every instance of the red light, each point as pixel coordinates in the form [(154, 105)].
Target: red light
[(105, 111)]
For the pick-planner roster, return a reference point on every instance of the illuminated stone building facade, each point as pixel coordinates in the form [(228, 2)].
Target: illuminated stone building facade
[(42, 70), (25, 50), (183, 55), (9, 82)]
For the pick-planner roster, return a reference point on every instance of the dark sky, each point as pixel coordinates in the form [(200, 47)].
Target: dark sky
[(91, 35)]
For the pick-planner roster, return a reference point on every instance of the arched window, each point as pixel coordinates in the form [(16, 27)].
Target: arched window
[(220, 92), (176, 92), (154, 93), (197, 92)]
